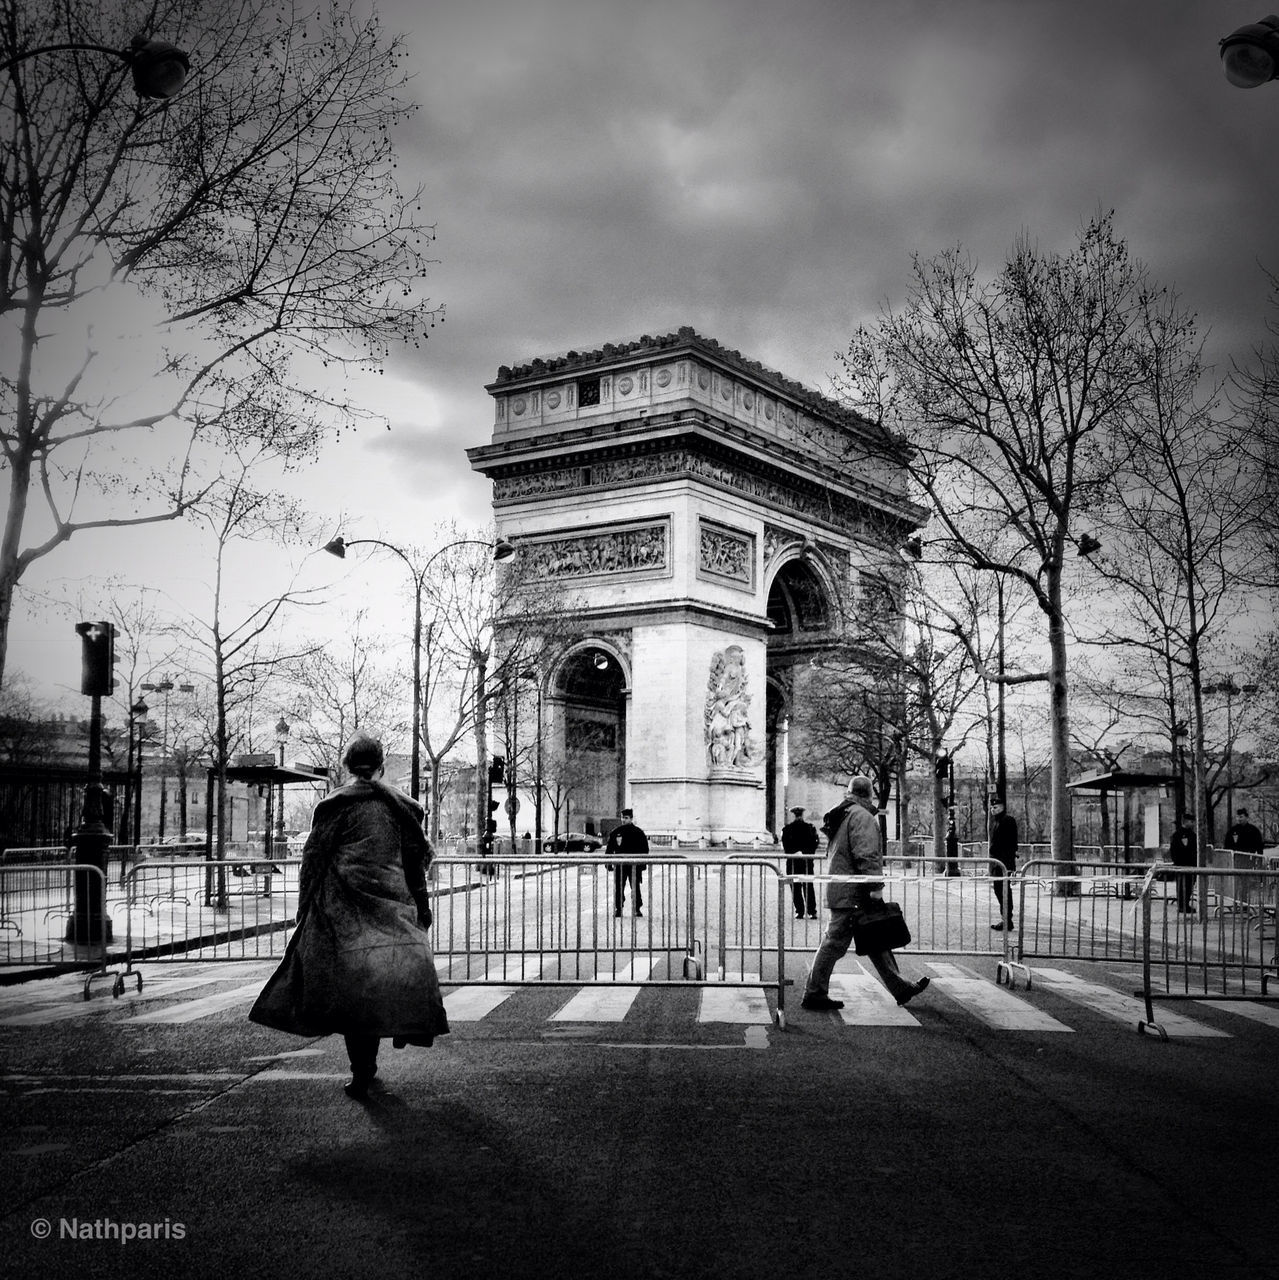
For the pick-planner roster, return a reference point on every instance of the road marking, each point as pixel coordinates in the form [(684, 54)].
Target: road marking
[(992, 1004), (1266, 1013), (867, 1003), (610, 1002), (190, 1010), (1117, 1006), (470, 1004), (77, 1007), (734, 1004)]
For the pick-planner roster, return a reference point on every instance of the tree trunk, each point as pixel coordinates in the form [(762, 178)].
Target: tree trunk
[(1061, 834)]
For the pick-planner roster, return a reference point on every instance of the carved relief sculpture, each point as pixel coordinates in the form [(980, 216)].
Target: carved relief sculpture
[(728, 738)]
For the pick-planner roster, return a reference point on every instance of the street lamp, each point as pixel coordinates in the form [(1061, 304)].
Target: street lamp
[(1230, 689), (166, 687), (531, 675), (1180, 733), (502, 550), (133, 795), (1250, 55), (159, 69)]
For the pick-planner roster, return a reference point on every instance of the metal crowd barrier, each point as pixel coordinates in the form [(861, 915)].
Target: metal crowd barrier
[(1223, 948), (946, 914), (551, 921), (1089, 915), (201, 909), (38, 905)]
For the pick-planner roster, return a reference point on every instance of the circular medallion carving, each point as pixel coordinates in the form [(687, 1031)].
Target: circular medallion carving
[(624, 386), (726, 390), (552, 399), (703, 379), (748, 400), (518, 407), (663, 378), (768, 412)]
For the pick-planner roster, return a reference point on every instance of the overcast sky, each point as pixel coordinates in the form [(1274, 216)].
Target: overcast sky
[(763, 172)]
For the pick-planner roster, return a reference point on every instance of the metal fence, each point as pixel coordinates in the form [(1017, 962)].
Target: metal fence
[(38, 907), (1222, 946)]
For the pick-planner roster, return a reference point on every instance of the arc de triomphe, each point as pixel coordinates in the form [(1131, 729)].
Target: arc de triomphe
[(710, 520)]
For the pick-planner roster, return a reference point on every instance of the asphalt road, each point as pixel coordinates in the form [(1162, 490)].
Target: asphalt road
[(655, 1146)]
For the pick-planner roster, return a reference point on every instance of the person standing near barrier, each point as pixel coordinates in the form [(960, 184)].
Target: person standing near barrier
[(1003, 849), (1244, 837), (1183, 850), (626, 837), (359, 963), (799, 843), (854, 850)]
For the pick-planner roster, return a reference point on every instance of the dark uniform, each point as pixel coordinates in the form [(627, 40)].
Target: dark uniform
[(1183, 849), (627, 838), (799, 841), (1244, 836), (1003, 849)]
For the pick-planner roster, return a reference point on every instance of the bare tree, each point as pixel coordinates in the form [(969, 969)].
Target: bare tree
[(1013, 393), (240, 654), (340, 688), (164, 267)]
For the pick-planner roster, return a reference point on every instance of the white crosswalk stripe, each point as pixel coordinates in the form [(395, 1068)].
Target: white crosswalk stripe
[(867, 1003), (992, 1004), (742, 999), (734, 1004), (1118, 1006)]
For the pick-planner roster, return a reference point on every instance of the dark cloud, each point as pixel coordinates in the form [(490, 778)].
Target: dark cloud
[(764, 172)]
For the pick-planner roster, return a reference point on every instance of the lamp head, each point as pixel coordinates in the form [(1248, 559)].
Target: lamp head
[(159, 69), (503, 550), (337, 547), (1250, 55)]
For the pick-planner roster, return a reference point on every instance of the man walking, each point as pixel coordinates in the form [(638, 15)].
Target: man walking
[(854, 851), (799, 843), (626, 837), (1003, 849)]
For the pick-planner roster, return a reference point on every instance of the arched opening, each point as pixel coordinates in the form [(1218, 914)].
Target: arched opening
[(584, 771), (802, 616)]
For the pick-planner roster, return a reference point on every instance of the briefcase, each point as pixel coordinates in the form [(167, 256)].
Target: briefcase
[(879, 927)]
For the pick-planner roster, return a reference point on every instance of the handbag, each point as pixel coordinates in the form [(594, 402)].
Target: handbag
[(879, 927)]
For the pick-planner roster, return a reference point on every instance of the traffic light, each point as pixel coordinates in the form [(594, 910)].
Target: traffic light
[(941, 766), (97, 658), (492, 822), (497, 771)]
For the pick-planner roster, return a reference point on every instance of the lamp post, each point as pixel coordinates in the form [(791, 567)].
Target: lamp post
[(1230, 689), (1250, 54), (133, 794), (530, 674), (166, 687), (89, 922), (159, 69), (279, 840), (1179, 735), (502, 550)]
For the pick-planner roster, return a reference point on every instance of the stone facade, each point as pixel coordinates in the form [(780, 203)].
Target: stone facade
[(709, 520)]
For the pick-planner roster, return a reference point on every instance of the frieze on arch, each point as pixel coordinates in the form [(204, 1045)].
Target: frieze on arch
[(854, 517), (634, 548)]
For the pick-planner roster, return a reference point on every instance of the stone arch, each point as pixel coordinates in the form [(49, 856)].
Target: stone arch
[(588, 697), (801, 596)]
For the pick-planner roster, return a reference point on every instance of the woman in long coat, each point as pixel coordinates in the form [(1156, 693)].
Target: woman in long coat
[(359, 963)]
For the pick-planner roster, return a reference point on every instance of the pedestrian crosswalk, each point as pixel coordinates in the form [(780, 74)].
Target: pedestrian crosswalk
[(1058, 1001)]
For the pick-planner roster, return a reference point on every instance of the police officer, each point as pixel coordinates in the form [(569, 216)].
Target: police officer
[(627, 838), (799, 842)]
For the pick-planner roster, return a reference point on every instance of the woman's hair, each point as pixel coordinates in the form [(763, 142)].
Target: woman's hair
[(363, 755)]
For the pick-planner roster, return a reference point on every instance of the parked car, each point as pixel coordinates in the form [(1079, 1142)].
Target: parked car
[(572, 842)]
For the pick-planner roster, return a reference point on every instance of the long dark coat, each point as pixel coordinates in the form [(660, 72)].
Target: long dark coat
[(358, 962)]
